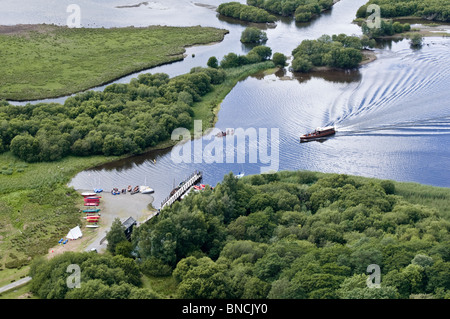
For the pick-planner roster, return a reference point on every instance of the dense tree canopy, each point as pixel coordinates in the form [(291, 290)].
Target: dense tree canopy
[(281, 235), (438, 10), (294, 235), (123, 119), (253, 35), (115, 235), (339, 51), (387, 28), (101, 277), (245, 13), (302, 10)]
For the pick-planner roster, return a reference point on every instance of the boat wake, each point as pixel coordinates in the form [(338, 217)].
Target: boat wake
[(437, 126), (401, 96)]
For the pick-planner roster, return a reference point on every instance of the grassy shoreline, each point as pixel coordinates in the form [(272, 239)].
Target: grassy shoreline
[(58, 61), (19, 191)]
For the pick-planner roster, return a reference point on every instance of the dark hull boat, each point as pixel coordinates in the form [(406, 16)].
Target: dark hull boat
[(319, 133)]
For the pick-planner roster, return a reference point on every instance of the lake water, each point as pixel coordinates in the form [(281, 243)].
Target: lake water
[(392, 115)]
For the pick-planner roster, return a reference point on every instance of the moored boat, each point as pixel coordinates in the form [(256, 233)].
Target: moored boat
[(88, 194), (320, 132), (91, 200), (135, 190), (146, 190), (90, 211), (91, 204)]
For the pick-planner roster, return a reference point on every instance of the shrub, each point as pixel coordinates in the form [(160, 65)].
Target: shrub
[(388, 186), (279, 59), (303, 16), (212, 62), (300, 64), (416, 40), (155, 267), (253, 35)]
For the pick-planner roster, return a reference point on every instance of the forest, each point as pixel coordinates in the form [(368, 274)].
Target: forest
[(437, 10), (337, 51), (36, 205), (123, 119), (245, 13), (299, 234), (301, 10)]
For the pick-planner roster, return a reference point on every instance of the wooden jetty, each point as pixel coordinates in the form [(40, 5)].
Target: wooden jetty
[(188, 183)]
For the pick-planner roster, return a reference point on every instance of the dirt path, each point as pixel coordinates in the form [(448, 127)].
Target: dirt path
[(15, 284)]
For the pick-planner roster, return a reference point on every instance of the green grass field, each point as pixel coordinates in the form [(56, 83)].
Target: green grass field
[(36, 207), (51, 61)]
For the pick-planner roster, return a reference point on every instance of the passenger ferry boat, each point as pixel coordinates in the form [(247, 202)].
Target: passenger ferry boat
[(320, 132)]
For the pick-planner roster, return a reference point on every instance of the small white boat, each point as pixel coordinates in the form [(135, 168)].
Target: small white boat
[(146, 190), (240, 175), (92, 226), (88, 194)]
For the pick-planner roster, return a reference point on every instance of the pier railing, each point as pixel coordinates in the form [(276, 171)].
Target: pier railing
[(188, 183)]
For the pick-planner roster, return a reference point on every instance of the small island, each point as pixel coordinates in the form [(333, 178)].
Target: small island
[(332, 52), (431, 10), (243, 12), (261, 11), (301, 10)]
